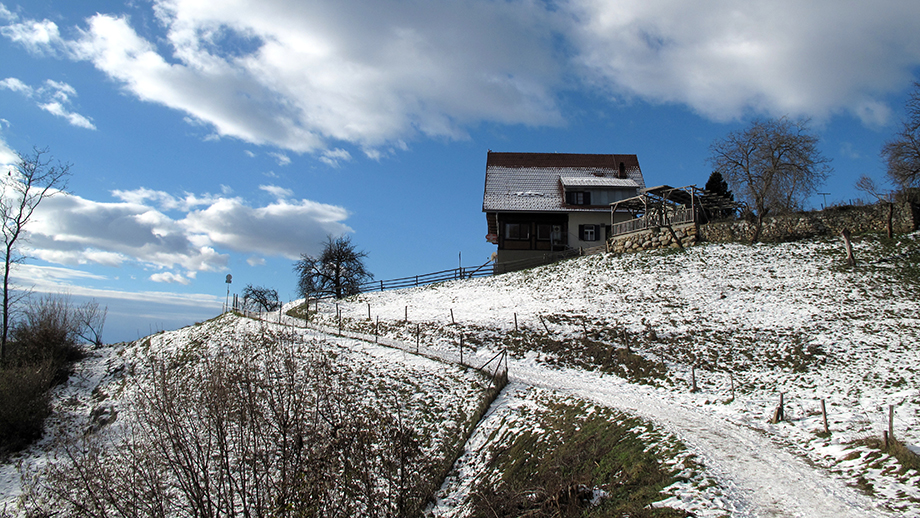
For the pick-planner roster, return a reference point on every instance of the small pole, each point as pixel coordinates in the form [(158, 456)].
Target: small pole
[(452, 321), (461, 348), (368, 310), (515, 322), (731, 378), (407, 314), (544, 324), (417, 337), (693, 379), (885, 440), (891, 422), (824, 417), (376, 334)]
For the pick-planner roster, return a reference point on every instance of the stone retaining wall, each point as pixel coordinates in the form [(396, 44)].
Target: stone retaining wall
[(653, 239), (829, 222)]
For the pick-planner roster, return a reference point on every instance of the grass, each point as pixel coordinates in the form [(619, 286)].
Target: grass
[(558, 466)]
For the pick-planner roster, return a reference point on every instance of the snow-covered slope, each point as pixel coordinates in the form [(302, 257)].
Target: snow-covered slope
[(768, 319)]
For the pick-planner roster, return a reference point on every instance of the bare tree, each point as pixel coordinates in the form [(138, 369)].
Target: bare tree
[(90, 320), (30, 181), (868, 186), (264, 298), (902, 152), (774, 165), (339, 271)]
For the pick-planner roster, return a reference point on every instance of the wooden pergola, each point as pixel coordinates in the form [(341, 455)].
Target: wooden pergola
[(666, 206)]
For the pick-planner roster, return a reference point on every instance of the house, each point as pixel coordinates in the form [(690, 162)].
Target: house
[(539, 205)]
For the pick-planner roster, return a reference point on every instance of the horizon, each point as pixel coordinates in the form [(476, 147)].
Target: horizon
[(208, 141)]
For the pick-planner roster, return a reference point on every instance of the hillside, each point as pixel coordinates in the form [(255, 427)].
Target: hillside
[(602, 353), (230, 415), (787, 319)]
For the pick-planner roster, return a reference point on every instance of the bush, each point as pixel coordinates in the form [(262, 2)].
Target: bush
[(44, 344), (48, 332), (24, 392), (278, 432)]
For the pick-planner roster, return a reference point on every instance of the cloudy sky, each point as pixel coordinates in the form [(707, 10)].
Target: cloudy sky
[(209, 138)]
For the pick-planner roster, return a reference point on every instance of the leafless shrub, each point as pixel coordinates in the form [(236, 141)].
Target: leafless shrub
[(261, 429)]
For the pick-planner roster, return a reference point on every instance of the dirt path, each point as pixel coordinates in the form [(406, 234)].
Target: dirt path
[(762, 478)]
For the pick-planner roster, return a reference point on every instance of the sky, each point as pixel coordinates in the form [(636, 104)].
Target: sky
[(213, 138)]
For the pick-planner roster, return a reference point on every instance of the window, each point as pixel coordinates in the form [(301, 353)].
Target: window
[(519, 231), (578, 198), (544, 232), (588, 232)]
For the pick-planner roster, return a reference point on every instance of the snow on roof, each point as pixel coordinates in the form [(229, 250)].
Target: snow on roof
[(598, 182), (535, 182)]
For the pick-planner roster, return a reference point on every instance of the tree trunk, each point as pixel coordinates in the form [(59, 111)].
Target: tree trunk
[(758, 228), (851, 259), (4, 334), (890, 218)]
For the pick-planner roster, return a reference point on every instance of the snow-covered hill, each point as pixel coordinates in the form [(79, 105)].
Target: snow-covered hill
[(621, 336), (767, 319)]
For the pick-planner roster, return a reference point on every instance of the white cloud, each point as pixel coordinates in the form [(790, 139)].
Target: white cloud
[(313, 77), (5, 14), (725, 58), (256, 261), (55, 280), (281, 158), (278, 192), (38, 37), (8, 157), (194, 234), (297, 77), (54, 97), (334, 156), (170, 278)]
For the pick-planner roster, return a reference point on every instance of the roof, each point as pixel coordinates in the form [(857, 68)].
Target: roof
[(534, 182), (594, 181), (685, 196)]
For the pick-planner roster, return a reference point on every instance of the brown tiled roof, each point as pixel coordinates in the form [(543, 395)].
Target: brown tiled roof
[(551, 160), (532, 181)]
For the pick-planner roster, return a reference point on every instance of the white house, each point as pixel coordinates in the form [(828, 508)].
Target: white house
[(538, 204)]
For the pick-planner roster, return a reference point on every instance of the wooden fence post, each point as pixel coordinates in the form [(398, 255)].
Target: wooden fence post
[(368, 310), (417, 336), (891, 423), (851, 259), (778, 413), (693, 379), (376, 332), (461, 349), (452, 321), (407, 314), (824, 417), (515, 322)]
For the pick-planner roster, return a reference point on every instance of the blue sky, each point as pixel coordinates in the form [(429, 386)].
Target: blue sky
[(210, 138)]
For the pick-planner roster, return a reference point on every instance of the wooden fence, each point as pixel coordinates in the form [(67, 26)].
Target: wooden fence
[(678, 217)]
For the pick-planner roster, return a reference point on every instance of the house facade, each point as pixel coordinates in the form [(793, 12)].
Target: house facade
[(538, 204)]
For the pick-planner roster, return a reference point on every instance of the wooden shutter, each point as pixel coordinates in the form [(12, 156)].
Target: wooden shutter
[(581, 232)]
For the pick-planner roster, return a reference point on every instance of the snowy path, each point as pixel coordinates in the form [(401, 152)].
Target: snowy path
[(763, 479)]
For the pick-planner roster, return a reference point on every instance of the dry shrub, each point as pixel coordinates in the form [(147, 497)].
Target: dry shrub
[(24, 393), (265, 428)]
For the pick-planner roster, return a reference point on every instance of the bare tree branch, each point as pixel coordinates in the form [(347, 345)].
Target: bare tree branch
[(32, 179)]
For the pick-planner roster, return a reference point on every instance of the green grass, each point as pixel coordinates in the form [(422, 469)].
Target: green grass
[(551, 469)]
